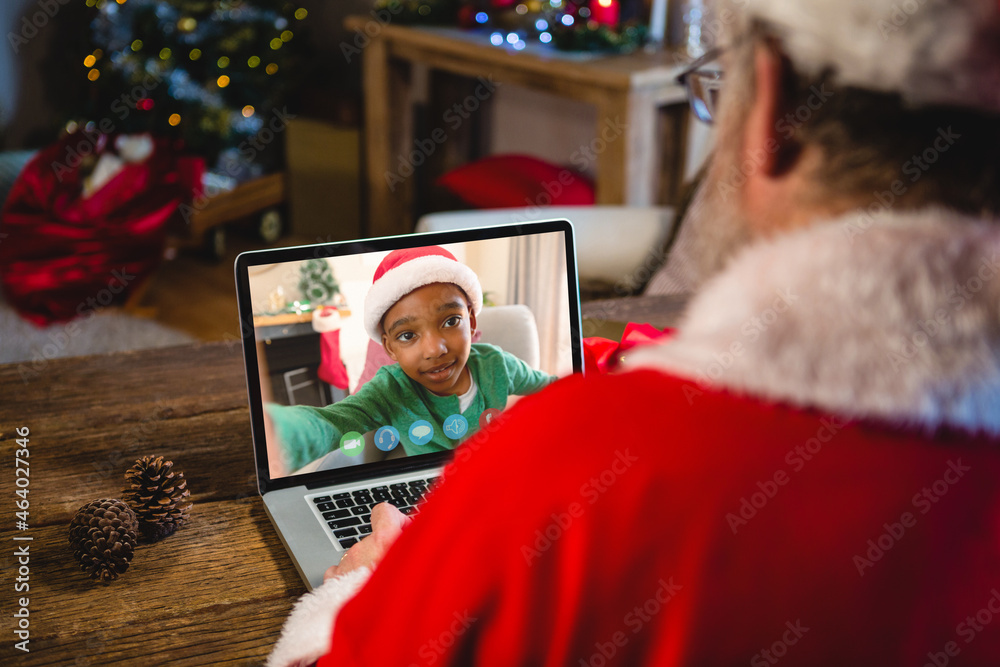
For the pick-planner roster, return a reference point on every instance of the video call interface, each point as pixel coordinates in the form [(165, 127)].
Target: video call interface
[(321, 373)]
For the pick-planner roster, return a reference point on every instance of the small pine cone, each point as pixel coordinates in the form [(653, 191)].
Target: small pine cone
[(158, 495), (103, 536)]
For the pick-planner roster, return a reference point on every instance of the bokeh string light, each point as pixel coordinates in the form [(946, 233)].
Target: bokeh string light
[(200, 71), (572, 25)]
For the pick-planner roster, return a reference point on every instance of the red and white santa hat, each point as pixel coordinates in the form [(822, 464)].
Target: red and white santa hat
[(402, 271), (929, 51)]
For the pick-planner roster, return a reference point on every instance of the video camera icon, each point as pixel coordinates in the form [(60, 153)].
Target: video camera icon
[(352, 443)]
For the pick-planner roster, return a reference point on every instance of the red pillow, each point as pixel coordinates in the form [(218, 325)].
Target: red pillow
[(508, 181)]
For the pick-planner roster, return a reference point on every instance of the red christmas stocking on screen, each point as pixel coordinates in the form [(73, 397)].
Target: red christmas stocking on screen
[(331, 367)]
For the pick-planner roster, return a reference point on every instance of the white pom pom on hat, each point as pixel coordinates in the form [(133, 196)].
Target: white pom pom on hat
[(931, 52), (402, 271)]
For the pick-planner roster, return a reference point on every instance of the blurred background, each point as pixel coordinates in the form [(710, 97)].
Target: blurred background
[(176, 134)]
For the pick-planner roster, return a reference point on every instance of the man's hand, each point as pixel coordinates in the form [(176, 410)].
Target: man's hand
[(387, 524)]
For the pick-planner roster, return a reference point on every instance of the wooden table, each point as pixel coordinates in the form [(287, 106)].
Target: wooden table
[(627, 90), (217, 591)]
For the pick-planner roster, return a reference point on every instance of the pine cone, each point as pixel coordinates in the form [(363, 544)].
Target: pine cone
[(158, 496), (103, 535)]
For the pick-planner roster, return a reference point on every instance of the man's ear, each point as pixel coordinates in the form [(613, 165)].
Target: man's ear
[(769, 139), (388, 348)]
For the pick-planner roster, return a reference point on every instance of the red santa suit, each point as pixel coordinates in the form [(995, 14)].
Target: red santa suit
[(805, 473)]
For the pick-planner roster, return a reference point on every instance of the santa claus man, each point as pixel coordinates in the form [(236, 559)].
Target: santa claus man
[(806, 471)]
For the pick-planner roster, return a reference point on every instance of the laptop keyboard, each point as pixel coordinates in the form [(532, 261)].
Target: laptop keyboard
[(349, 514)]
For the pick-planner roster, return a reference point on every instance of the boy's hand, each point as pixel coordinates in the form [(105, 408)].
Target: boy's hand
[(387, 524)]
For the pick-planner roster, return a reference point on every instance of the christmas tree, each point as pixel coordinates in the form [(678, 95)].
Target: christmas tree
[(316, 281), (213, 75)]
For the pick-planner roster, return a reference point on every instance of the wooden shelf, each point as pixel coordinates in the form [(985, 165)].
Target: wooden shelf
[(290, 318)]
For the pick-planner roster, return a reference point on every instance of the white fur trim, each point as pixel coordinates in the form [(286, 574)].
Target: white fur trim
[(403, 279), (897, 320), (305, 636), (326, 320), (930, 51)]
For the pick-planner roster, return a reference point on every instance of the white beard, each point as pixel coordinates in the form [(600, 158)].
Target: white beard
[(715, 225), (713, 230)]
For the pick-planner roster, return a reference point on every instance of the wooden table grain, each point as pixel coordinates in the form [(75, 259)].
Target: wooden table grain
[(217, 591)]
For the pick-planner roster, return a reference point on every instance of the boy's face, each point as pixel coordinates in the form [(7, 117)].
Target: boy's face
[(429, 334)]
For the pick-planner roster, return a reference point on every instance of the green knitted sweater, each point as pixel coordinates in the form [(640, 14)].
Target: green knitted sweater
[(391, 398)]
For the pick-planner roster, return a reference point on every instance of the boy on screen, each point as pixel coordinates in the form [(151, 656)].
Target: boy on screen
[(422, 308)]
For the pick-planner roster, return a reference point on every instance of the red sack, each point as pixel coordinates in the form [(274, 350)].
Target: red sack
[(63, 254)]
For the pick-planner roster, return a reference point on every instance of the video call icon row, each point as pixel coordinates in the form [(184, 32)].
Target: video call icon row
[(420, 432)]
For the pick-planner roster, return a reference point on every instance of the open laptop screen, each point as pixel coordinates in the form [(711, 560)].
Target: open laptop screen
[(366, 354)]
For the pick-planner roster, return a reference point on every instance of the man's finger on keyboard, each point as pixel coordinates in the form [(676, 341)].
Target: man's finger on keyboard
[(387, 524), (387, 517)]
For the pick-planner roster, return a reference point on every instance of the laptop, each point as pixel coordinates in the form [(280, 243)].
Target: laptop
[(309, 357)]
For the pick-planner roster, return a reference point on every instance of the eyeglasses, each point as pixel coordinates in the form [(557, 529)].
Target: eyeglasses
[(703, 86)]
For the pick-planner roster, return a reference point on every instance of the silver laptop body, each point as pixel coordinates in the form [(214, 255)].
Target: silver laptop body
[(285, 297)]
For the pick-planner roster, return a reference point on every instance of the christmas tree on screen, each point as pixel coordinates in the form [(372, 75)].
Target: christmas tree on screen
[(213, 74)]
